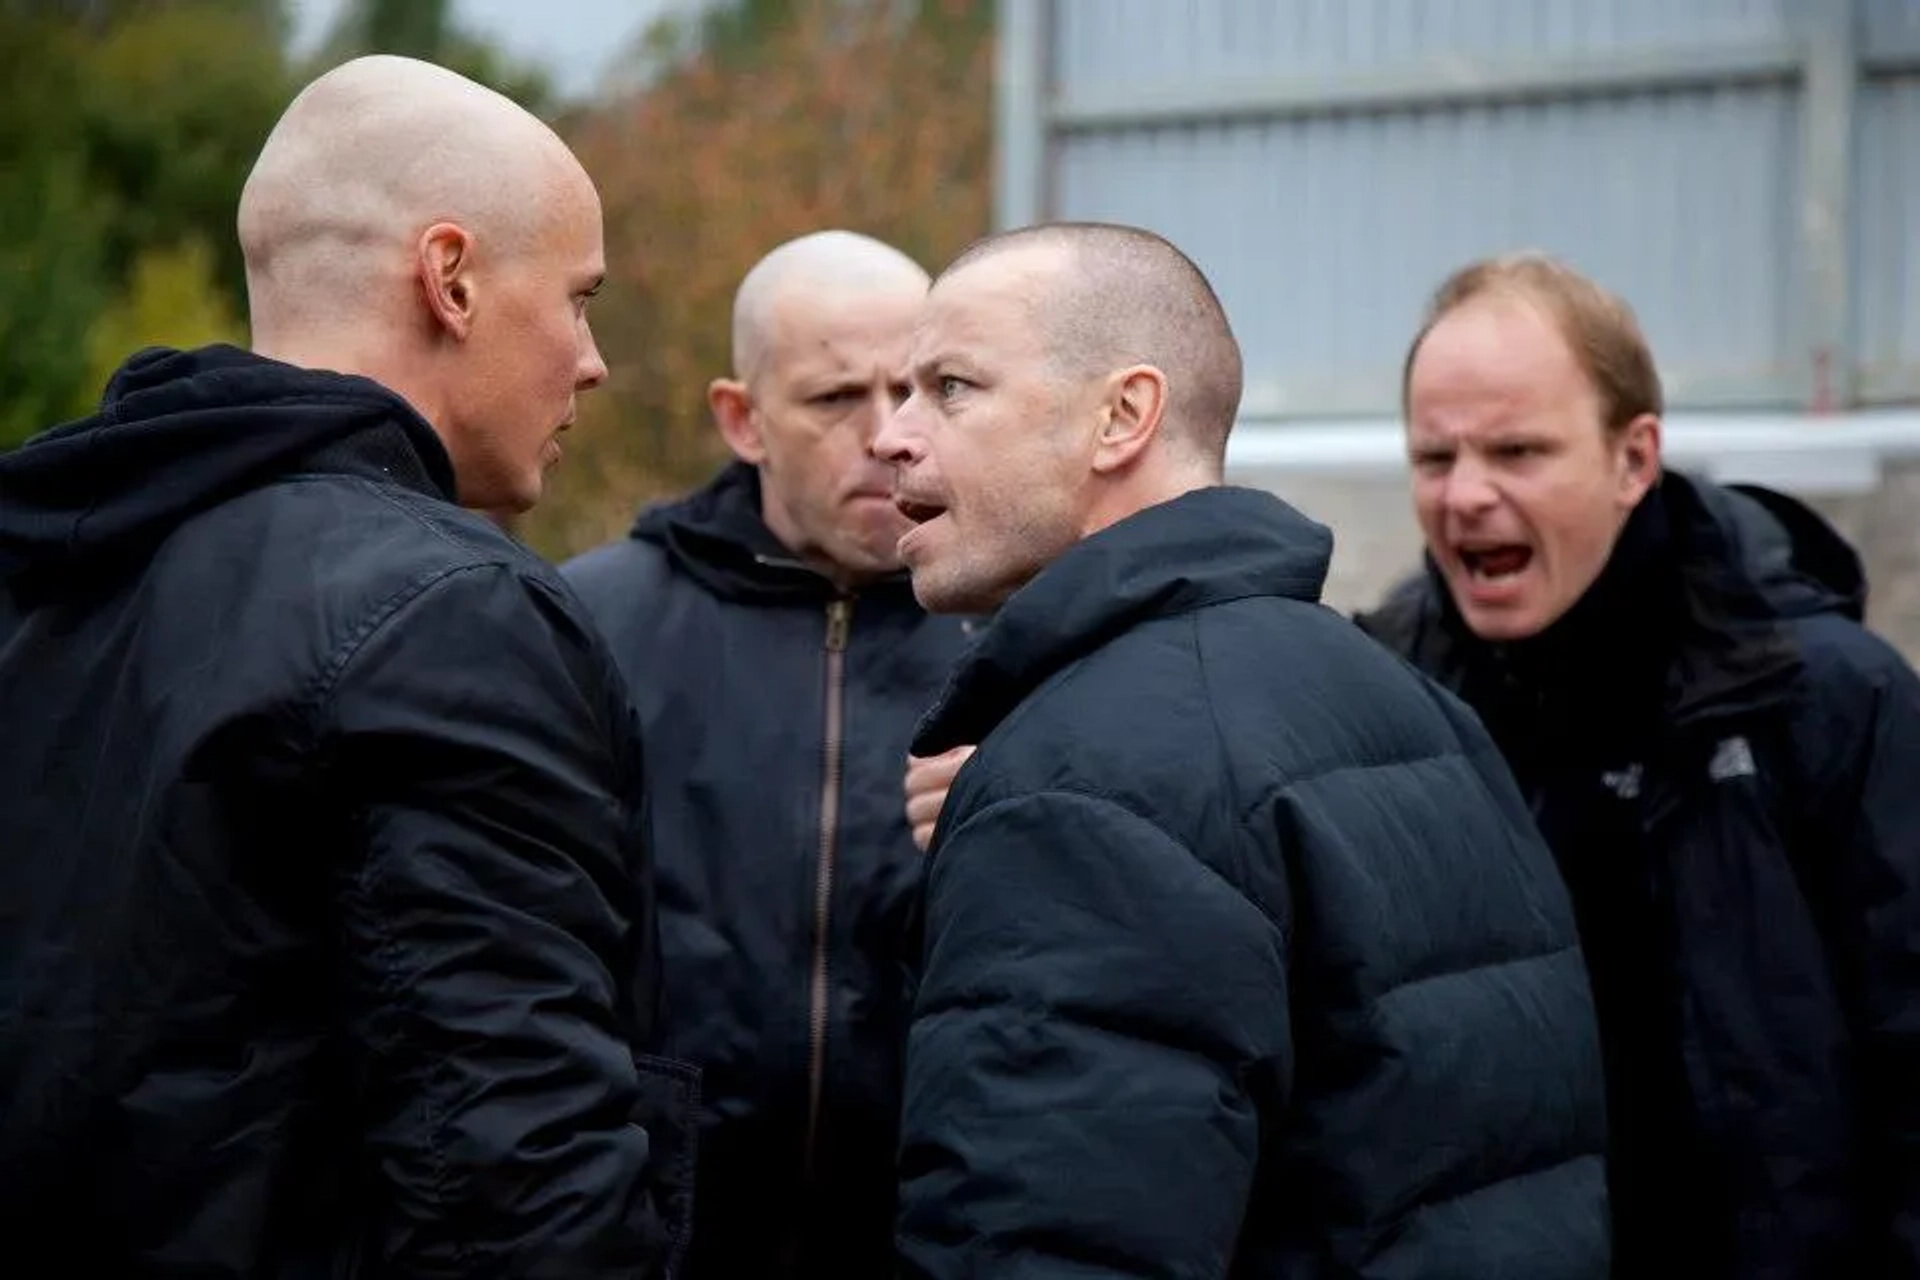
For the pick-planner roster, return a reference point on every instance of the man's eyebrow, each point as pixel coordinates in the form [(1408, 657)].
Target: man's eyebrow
[(943, 358)]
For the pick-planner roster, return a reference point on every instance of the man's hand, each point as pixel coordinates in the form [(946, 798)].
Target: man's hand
[(927, 781)]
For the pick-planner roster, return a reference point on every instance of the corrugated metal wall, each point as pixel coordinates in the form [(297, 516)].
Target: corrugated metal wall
[(1747, 172), (1887, 202)]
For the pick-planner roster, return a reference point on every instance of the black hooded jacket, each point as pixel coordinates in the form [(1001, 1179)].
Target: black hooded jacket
[(1727, 765), (320, 948), (1243, 958), (777, 714)]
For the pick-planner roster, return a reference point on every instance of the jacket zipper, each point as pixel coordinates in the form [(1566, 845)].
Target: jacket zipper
[(839, 623)]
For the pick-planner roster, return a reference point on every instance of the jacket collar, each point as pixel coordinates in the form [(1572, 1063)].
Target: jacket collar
[(1749, 560), (1203, 548), (717, 536)]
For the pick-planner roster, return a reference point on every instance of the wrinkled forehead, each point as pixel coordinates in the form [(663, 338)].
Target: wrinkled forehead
[(985, 312), (852, 330)]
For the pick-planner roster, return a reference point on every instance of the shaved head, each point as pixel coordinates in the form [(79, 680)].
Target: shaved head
[(821, 331), (1120, 296), (408, 225), (364, 160), (822, 270)]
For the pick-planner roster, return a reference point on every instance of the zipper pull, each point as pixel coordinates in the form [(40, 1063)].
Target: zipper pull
[(839, 623)]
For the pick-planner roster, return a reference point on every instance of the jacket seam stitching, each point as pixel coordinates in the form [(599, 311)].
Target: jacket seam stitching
[(326, 681), (1100, 797), (1281, 785), (393, 984)]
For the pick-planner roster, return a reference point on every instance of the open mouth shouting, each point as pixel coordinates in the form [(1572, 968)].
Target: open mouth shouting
[(1495, 563), (917, 511)]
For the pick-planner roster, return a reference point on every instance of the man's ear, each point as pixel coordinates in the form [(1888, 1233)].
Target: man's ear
[(732, 407), (1639, 447), (445, 257), (1135, 405)]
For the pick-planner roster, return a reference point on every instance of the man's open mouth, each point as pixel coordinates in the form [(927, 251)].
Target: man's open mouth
[(1493, 563), (919, 512)]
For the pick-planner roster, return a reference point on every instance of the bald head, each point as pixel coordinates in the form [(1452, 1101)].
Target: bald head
[(364, 160), (822, 271), (407, 225), (1110, 296)]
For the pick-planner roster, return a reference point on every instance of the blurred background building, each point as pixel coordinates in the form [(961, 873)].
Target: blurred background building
[(1745, 172)]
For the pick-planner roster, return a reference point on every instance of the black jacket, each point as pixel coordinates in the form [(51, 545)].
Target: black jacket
[(778, 715), (320, 952), (1715, 716), (1242, 955)]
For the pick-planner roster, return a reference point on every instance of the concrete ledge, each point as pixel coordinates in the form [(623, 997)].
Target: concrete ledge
[(1838, 453)]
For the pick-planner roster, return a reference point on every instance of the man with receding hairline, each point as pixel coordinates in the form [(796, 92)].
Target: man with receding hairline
[(329, 942), (1723, 758), (779, 663), (1241, 954)]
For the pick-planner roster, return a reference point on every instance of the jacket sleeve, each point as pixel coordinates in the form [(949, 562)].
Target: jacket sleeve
[(1100, 1023), (1876, 803), (498, 944)]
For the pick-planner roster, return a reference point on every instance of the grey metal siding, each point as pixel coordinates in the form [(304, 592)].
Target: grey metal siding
[(1200, 39), (1886, 317), (1747, 172)]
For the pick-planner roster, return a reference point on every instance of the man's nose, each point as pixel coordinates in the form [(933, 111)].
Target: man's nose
[(593, 369), (1470, 489), (897, 442)]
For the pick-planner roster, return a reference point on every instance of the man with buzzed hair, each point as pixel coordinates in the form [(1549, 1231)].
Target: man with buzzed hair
[(328, 940), (1242, 955), (779, 663)]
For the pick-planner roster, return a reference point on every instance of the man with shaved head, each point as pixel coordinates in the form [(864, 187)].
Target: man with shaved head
[(328, 947), (779, 662), (1242, 954)]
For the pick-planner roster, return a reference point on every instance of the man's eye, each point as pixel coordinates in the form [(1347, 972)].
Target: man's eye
[(950, 386)]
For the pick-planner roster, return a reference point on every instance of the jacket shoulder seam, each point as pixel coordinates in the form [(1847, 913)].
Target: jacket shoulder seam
[(374, 619)]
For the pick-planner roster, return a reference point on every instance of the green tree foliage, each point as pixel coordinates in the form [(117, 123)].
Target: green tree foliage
[(52, 274), (128, 128), (173, 298)]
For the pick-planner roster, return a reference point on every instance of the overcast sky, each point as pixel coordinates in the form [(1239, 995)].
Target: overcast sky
[(572, 40)]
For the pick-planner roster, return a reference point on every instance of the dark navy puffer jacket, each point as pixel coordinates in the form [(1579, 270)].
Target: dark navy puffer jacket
[(1242, 955), (777, 714)]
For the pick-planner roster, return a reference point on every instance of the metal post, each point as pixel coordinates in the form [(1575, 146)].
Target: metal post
[(1020, 115), (1829, 89)]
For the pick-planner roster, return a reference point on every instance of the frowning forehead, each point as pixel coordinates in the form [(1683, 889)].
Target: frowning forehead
[(980, 317)]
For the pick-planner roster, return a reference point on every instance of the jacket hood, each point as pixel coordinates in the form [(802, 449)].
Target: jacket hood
[(717, 537), (1204, 548), (179, 432), (1792, 558)]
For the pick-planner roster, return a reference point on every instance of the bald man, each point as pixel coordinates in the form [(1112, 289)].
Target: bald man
[(1243, 956), (779, 663), (327, 945)]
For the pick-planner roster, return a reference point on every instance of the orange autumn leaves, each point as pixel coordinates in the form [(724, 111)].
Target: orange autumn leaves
[(872, 115)]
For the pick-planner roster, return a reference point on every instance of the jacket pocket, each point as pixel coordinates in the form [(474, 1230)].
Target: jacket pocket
[(669, 1110)]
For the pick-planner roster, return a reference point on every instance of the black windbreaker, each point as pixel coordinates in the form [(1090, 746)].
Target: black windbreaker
[(320, 945), (1756, 934), (777, 714)]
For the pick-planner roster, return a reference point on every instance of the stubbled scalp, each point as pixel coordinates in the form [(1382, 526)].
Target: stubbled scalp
[(823, 266), (363, 161), (1121, 295)]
